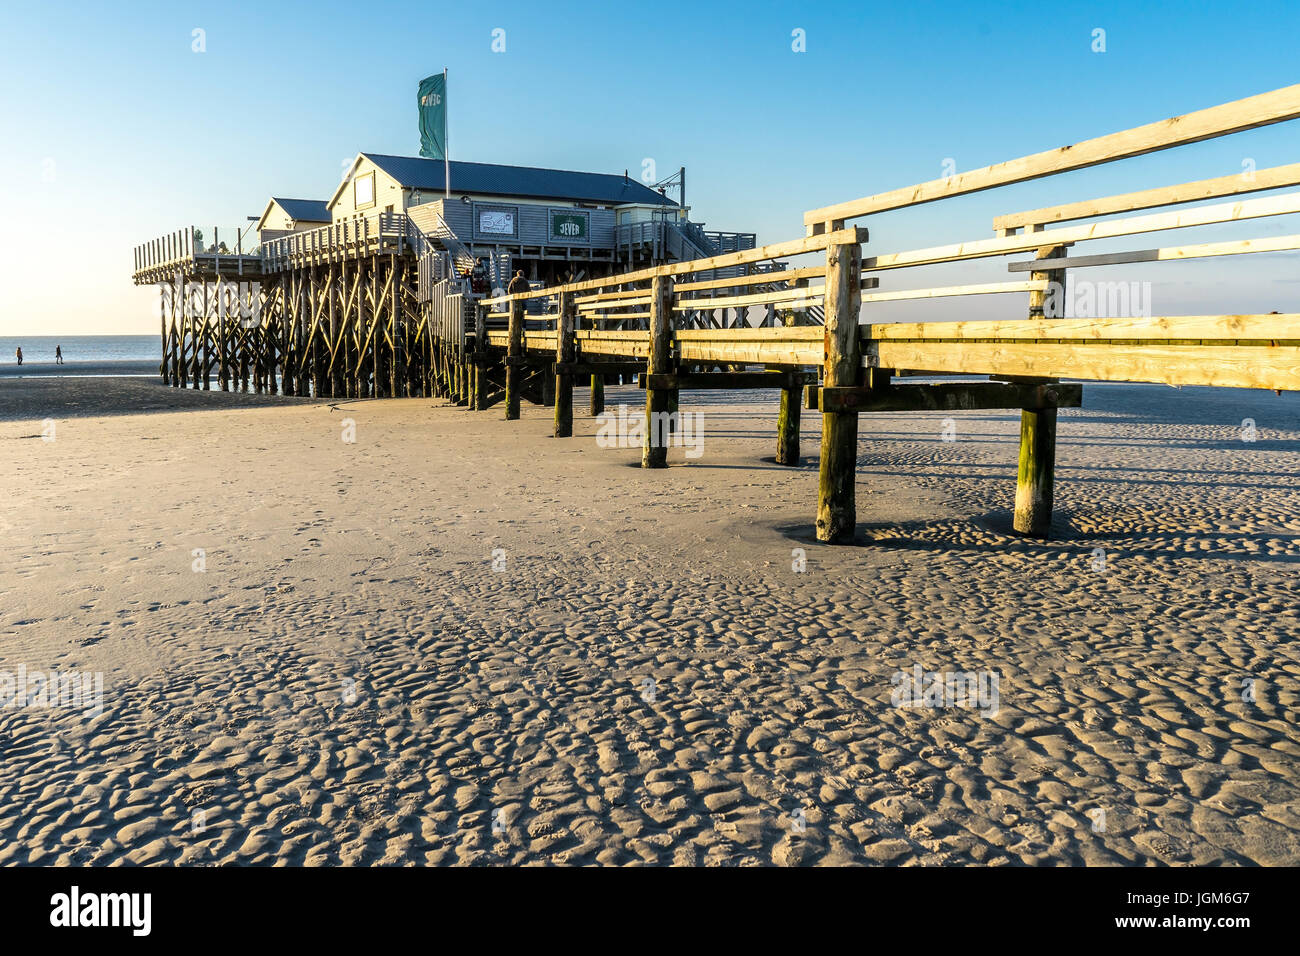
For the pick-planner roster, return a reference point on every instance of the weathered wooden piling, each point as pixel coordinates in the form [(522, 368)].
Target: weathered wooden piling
[(479, 401), (1035, 476), (566, 351), (1036, 471), (659, 401), (515, 359), (837, 487), (788, 415)]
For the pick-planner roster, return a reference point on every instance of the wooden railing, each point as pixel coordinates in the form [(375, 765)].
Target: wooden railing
[(159, 260), (347, 239), (662, 317)]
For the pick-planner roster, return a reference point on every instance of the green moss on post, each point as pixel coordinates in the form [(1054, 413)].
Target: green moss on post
[(1036, 475), (787, 426)]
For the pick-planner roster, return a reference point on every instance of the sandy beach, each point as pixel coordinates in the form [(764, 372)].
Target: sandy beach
[(457, 640)]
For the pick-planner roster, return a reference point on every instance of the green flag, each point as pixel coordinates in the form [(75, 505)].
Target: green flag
[(433, 116)]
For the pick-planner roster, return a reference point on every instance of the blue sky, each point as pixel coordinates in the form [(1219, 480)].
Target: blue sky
[(115, 130)]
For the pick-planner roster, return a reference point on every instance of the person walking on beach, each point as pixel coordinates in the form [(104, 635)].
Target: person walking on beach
[(58, 355), (19, 352)]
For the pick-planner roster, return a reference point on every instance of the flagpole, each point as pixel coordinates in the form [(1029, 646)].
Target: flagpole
[(446, 138)]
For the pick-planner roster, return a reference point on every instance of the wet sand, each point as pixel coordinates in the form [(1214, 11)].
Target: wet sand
[(458, 640)]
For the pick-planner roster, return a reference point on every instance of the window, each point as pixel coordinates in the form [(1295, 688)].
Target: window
[(363, 187)]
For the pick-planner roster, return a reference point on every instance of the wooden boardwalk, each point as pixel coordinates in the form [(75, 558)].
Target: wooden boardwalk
[(351, 316)]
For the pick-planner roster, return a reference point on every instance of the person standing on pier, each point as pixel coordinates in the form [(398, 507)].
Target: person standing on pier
[(19, 352), (58, 355), (518, 283)]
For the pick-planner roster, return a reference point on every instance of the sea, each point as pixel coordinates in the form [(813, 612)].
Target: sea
[(39, 349)]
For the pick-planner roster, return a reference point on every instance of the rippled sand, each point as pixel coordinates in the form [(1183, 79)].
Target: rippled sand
[(644, 678)]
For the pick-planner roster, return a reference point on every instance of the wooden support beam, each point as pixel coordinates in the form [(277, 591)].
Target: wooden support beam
[(946, 397), (480, 359), (659, 401), (987, 288), (1235, 185), (1203, 250), (837, 491), (566, 351), (515, 359), (777, 250), (1264, 109), (602, 368), (727, 380)]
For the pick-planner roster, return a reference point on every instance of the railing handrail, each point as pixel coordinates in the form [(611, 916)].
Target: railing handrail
[(1264, 109)]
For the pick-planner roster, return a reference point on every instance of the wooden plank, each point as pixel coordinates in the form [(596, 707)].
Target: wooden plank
[(604, 303), (981, 248), (988, 288), (629, 344), (781, 275), (801, 297), (947, 396), (726, 380), (802, 345), (778, 250), (1259, 327), (1275, 367), (1264, 109), (1203, 250), (603, 296), (1236, 184)]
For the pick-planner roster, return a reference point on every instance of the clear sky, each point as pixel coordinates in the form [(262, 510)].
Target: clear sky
[(115, 130)]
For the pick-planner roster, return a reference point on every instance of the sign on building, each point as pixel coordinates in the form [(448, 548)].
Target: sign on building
[(569, 226)]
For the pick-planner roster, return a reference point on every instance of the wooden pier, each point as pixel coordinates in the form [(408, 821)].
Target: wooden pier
[(375, 310)]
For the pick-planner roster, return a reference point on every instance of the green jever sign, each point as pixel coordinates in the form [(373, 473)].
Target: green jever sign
[(567, 225)]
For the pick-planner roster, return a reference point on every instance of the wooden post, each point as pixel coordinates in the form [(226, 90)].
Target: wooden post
[(192, 322), (1035, 477), (397, 369), (223, 365), (514, 359), (336, 360), (548, 387), (480, 362), (377, 328), (659, 401), (836, 496), (1036, 473), (787, 419), (162, 310), (566, 352), (597, 395)]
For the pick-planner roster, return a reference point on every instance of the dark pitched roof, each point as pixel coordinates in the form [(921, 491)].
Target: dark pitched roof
[(523, 181), (305, 210)]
